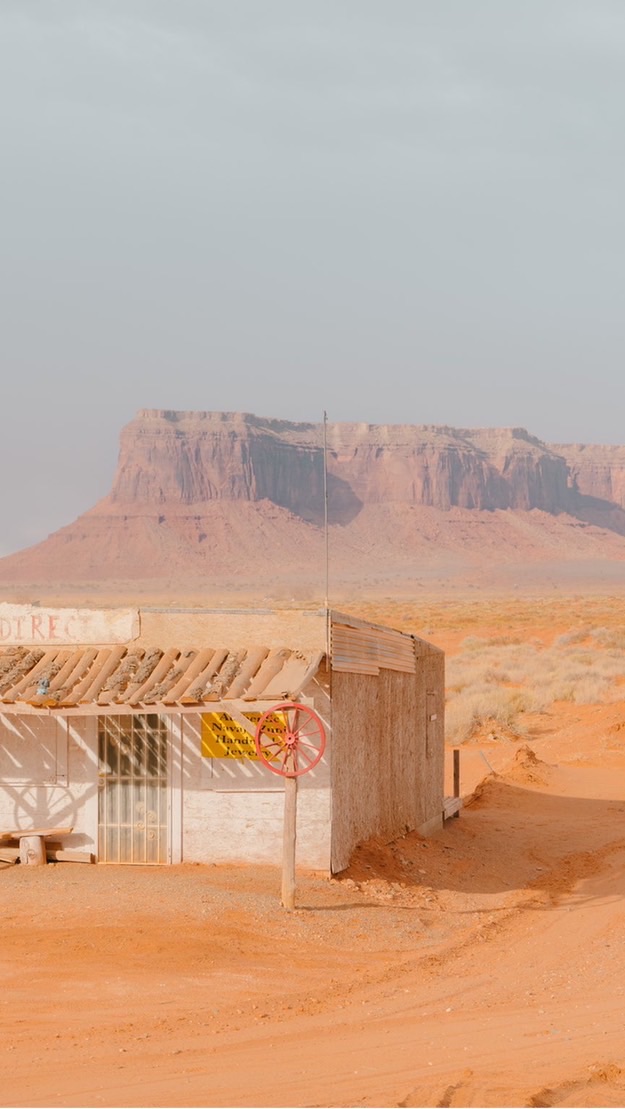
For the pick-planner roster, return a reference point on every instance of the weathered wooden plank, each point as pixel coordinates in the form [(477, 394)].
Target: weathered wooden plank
[(366, 649), (270, 667), (195, 667), (220, 684), (255, 657), (33, 851), (33, 675), (104, 665), (159, 692), (31, 694), (451, 806), (54, 853), (135, 695), (61, 855), (308, 675), (235, 713), (71, 662), (67, 678), (289, 837), (121, 677), (289, 678), (193, 693)]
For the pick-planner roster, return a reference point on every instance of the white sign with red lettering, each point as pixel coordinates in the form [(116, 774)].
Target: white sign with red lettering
[(52, 627)]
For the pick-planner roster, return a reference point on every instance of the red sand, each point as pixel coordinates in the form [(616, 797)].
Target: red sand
[(485, 966)]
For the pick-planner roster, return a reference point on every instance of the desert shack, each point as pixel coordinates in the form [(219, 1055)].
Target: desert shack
[(135, 729)]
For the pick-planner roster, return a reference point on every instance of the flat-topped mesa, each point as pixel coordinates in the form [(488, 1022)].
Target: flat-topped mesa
[(226, 500), (188, 458), (444, 467), (178, 459), (596, 471)]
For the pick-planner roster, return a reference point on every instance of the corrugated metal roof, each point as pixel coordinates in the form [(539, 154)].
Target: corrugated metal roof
[(358, 649), (135, 677)]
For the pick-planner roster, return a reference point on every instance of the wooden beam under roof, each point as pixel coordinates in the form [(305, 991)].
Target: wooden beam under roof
[(99, 678), (134, 696), (30, 691), (136, 654), (176, 671), (195, 668), (23, 708), (11, 695), (269, 668), (105, 663), (290, 677), (250, 666), (191, 694), (71, 663), (81, 665)]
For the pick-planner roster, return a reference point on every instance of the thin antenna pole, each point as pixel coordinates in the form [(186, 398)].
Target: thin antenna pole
[(326, 532)]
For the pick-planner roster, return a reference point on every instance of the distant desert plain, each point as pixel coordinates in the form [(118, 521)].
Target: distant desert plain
[(484, 966)]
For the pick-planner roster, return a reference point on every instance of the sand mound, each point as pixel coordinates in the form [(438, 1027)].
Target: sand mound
[(483, 792), (528, 769)]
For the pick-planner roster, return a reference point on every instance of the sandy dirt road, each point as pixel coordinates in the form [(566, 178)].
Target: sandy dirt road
[(485, 966)]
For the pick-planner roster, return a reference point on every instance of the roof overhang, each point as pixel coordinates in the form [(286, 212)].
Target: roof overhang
[(79, 681)]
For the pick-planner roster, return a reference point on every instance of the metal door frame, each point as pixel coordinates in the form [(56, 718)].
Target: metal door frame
[(164, 726)]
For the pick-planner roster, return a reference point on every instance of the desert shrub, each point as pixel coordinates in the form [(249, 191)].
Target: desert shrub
[(581, 658), (474, 643), (574, 635), (609, 664), (505, 641), (593, 690), (501, 680), (499, 707), (472, 671), (492, 665), (493, 675), (559, 688), (461, 719), (609, 637)]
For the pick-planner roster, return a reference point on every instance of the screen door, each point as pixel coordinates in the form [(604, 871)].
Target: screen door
[(132, 789)]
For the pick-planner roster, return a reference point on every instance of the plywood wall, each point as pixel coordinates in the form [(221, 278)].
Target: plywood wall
[(431, 793), (387, 757)]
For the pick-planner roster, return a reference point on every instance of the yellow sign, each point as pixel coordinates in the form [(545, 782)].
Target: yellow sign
[(224, 738)]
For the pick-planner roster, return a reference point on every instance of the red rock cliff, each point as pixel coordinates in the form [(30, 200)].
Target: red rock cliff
[(224, 498), (183, 459), (596, 471)]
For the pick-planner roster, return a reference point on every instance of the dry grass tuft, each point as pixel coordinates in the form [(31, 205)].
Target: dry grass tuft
[(495, 681)]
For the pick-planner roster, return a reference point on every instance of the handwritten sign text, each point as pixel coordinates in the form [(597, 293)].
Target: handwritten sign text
[(48, 627)]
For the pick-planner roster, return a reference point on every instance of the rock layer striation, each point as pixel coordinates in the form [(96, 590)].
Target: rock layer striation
[(183, 459)]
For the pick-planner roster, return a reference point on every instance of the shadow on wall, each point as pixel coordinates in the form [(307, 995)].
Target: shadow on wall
[(34, 805)]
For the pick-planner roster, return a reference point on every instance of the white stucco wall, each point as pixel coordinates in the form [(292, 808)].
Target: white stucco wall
[(232, 810), (48, 776), (296, 629), (220, 810)]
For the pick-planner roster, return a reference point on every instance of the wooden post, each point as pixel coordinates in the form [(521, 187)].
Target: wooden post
[(33, 850), (457, 776), (288, 843)]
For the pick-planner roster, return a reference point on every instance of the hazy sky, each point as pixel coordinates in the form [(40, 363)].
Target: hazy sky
[(397, 210)]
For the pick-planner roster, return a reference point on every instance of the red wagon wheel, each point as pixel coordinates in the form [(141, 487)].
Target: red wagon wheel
[(290, 739)]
